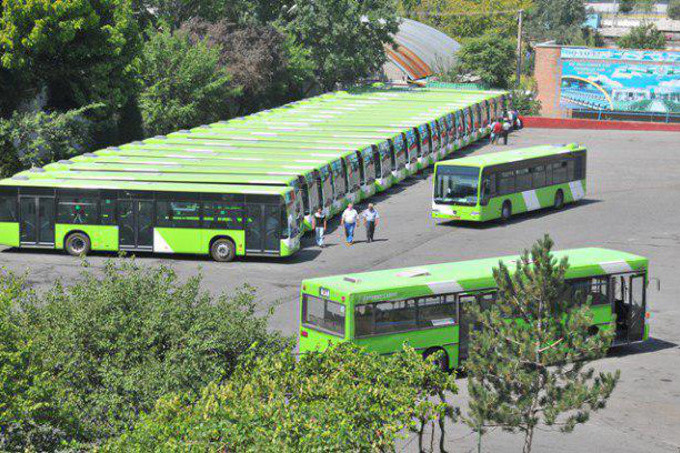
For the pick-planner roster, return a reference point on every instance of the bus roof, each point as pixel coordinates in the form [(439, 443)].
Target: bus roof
[(515, 155), (147, 186), (159, 176), (468, 275)]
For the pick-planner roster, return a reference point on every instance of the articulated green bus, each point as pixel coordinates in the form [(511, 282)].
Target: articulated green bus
[(499, 185), (223, 221), (427, 306)]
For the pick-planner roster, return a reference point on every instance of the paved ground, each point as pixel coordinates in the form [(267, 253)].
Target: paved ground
[(632, 205)]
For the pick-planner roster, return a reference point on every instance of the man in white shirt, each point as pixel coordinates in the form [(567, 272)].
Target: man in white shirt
[(349, 221), (371, 218)]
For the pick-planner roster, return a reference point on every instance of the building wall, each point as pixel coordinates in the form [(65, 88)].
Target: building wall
[(548, 73)]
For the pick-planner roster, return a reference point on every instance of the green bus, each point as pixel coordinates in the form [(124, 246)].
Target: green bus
[(499, 185), (223, 221), (427, 306)]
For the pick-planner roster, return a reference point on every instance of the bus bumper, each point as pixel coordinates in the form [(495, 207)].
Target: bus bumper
[(290, 245)]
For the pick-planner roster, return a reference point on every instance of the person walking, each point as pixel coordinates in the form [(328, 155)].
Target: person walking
[(319, 225), (506, 130), (349, 222), (496, 130), (371, 218)]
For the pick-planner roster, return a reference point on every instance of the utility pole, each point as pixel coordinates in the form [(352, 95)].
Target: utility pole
[(519, 46)]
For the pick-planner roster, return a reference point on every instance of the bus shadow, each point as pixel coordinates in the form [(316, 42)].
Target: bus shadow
[(517, 218), (651, 345)]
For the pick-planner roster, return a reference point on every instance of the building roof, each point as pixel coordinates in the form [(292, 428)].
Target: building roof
[(421, 50)]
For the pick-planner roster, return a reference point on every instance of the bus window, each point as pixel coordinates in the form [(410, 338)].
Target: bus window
[(489, 189), (412, 146), (457, 185), (327, 186), (369, 165), (339, 180), (559, 172), (523, 180), (289, 223), (324, 314), (506, 182), (313, 192), (77, 210), (395, 316), (303, 191), (385, 159), (353, 172), (8, 206), (177, 214), (399, 151), (223, 215), (436, 311), (579, 166)]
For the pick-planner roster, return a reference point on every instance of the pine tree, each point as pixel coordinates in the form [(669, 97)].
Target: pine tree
[(534, 369)]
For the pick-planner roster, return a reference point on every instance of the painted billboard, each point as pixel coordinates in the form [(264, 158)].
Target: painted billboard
[(620, 80)]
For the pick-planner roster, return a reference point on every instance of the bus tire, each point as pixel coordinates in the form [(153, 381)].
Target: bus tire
[(222, 250), (559, 199), (506, 211), (441, 362), (77, 244)]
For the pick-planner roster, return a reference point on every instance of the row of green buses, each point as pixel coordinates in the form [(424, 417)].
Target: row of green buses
[(272, 170), (427, 307)]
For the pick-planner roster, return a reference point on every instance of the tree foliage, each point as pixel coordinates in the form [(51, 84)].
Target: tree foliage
[(645, 36), (453, 16), (345, 38), (113, 344), (673, 10), (626, 6), (533, 370), (489, 57), (558, 20), (34, 139), (343, 399), (81, 51), (183, 84)]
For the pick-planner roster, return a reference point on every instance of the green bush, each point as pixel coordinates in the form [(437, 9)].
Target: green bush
[(490, 57), (626, 6), (645, 36), (116, 341)]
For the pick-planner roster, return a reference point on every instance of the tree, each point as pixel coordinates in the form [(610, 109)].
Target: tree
[(533, 370), (81, 51), (453, 16), (645, 36), (524, 98), (183, 84), (344, 399), (37, 138), (558, 20), (345, 38), (673, 10), (626, 6), (489, 57), (114, 343)]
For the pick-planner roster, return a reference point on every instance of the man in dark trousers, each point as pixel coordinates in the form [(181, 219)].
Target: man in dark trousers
[(371, 218)]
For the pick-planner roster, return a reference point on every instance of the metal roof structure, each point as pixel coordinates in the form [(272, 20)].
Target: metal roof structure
[(420, 52)]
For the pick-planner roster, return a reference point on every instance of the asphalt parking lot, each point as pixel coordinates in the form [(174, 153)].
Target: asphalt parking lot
[(631, 205)]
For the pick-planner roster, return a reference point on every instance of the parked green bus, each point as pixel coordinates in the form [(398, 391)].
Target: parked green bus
[(427, 306), (499, 185), (223, 221)]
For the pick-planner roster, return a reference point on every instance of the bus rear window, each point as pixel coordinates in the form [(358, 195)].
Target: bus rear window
[(325, 314)]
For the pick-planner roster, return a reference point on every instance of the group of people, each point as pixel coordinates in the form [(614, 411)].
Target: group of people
[(501, 127), (349, 220)]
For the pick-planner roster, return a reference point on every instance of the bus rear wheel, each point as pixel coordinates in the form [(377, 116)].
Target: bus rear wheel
[(223, 250), (559, 199), (77, 244), (442, 359), (506, 211)]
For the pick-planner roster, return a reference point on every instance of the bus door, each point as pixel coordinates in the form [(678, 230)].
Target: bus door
[(629, 306), (263, 228), (135, 224), (36, 220), (465, 325)]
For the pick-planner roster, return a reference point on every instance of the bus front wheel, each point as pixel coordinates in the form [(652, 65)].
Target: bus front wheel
[(223, 250), (506, 211), (442, 358), (559, 199), (77, 244)]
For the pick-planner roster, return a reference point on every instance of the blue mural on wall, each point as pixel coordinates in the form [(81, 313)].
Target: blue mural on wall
[(620, 80)]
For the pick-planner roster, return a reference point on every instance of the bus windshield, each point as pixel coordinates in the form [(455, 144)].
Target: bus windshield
[(456, 185), (323, 314)]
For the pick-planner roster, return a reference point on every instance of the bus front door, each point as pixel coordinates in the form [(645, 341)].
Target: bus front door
[(135, 225), (263, 228), (629, 306), (36, 216)]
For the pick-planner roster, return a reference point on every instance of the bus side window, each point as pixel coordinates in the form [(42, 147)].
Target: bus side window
[(8, 207), (506, 183), (538, 175)]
